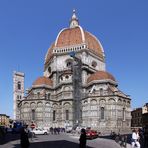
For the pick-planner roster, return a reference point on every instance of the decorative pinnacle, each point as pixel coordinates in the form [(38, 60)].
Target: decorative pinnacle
[(74, 20), (74, 14)]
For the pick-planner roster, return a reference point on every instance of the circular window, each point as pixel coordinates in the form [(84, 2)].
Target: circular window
[(69, 64), (67, 77), (94, 64)]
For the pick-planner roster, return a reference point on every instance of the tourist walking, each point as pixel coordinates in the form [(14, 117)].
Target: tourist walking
[(82, 139), (24, 138), (135, 139)]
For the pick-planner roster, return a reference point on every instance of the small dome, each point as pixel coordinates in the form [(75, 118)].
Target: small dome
[(42, 81), (100, 75)]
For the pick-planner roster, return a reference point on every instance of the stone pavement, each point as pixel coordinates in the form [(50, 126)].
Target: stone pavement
[(62, 141), (101, 143)]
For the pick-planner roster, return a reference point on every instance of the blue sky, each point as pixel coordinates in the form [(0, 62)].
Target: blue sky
[(28, 27)]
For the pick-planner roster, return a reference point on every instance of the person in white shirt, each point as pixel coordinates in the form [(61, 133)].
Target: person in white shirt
[(135, 139)]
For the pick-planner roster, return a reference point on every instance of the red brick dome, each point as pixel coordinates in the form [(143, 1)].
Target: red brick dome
[(49, 54), (75, 36), (42, 81), (100, 75)]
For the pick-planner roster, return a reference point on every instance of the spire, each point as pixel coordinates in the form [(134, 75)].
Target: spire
[(74, 20)]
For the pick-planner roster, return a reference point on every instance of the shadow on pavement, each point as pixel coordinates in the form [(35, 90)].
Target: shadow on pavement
[(53, 144), (9, 137), (106, 137)]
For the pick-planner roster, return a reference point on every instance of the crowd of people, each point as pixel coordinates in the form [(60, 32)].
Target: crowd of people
[(56, 130)]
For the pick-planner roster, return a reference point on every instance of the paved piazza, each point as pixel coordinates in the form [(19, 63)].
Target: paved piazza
[(61, 141)]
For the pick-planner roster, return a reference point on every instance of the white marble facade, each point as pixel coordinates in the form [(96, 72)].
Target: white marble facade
[(50, 103)]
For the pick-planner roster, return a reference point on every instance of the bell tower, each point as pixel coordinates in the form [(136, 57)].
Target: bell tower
[(18, 92)]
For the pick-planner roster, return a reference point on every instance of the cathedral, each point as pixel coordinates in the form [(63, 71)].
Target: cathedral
[(75, 89)]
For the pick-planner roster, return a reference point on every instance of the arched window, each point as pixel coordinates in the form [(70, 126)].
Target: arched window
[(67, 114), (101, 91), (48, 96), (33, 114), (49, 69), (102, 112), (69, 64), (19, 85), (54, 115), (38, 95), (123, 114)]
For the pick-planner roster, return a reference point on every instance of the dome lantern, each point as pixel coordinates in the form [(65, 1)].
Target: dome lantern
[(74, 22)]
